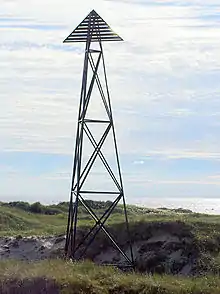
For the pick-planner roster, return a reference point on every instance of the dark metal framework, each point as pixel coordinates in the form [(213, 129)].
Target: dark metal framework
[(94, 29)]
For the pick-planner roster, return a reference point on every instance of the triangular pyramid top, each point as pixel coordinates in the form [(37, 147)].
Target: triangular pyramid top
[(93, 27)]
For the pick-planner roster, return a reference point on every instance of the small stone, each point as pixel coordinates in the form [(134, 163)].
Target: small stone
[(6, 248), (18, 237), (8, 239), (28, 240), (14, 244), (59, 239)]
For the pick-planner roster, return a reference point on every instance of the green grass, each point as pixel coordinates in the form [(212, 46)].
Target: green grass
[(203, 229), (15, 221), (58, 276)]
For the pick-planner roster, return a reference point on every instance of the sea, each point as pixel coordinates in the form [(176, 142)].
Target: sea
[(201, 205)]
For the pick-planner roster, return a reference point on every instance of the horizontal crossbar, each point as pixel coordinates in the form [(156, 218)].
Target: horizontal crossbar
[(100, 192)]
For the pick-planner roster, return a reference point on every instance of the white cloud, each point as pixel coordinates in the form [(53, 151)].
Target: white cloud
[(188, 182), (187, 154), (139, 162), (163, 78)]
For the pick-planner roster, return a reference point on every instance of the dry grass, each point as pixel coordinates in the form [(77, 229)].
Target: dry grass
[(56, 276)]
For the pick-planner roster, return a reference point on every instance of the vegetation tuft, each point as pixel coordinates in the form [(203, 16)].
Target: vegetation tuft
[(57, 276)]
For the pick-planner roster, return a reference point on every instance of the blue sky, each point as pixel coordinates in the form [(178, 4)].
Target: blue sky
[(164, 82)]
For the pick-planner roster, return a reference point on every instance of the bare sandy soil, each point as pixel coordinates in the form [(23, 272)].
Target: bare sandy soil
[(30, 248), (162, 252)]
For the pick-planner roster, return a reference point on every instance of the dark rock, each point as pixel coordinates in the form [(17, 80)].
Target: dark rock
[(18, 237), (7, 240), (14, 243), (58, 253), (151, 262), (60, 239), (149, 247), (29, 240), (6, 248)]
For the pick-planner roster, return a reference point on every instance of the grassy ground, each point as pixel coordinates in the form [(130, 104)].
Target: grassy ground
[(56, 276), (205, 229), (14, 221)]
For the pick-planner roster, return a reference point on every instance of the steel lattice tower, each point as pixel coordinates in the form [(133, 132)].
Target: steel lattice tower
[(94, 29)]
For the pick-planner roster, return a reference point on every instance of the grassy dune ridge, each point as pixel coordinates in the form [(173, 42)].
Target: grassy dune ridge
[(15, 220), (19, 218)]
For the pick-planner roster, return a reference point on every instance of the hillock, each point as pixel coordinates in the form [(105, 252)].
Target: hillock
[(166, 243)]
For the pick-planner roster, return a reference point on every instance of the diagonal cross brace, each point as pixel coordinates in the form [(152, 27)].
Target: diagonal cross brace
[(88, 96), (92, 213), (105, 216), (92, 158), (104, 161), (92, 64)]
